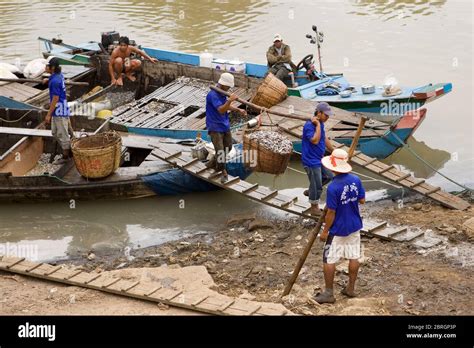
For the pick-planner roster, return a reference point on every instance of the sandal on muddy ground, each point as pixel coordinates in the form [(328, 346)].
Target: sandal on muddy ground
[(346, 293), (324, 298)]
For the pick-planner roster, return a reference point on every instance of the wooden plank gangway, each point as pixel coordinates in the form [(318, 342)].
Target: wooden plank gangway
[(266, 195), (274, 198), (256, 192), (200, 300), (294, 128)]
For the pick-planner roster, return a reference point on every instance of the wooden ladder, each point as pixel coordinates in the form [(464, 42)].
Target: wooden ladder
[(255, 192)]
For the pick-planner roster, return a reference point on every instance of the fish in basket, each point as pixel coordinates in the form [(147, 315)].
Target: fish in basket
[(267, 151), (97, 156)]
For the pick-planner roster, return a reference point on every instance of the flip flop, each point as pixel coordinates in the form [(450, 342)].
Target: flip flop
[(345, 293), (324, 298)]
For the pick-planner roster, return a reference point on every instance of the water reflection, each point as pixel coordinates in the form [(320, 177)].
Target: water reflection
[(396, 9), (437, 158), (180, 25), (58, 231)]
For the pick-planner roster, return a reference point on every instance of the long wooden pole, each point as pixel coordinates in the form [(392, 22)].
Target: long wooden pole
[(69, 83), (260, 108), (316, 230), (305, 254), (355, 141)]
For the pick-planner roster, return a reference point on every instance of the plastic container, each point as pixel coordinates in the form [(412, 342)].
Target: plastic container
[(104, 113), (235, 66), (219, 64), (205, 59)]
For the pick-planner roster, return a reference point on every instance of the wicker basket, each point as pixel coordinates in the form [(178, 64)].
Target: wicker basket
[(97, 156), (271, 92), (266, 161)]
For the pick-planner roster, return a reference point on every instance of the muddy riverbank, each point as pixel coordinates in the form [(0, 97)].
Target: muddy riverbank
[(252, 257)]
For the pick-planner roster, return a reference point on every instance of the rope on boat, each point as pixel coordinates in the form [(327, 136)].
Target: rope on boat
[(408, 147), (360, 174), (18, 120)]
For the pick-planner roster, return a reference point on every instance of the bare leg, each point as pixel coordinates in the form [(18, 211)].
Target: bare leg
[(134, 65), (118, 68), (353, 270), (329, 271), (66, 154), (328, 295)]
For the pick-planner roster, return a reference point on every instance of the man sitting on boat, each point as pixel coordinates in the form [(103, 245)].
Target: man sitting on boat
[(314, 144), (58, 113), (342, 224), (279, 58), (120, 62), (218, 123)]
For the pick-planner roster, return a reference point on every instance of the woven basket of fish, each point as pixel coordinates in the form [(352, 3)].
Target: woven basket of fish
[(267, 151)]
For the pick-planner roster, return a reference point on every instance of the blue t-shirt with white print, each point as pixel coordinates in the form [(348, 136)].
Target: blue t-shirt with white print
[(343, 195), (57, 87)]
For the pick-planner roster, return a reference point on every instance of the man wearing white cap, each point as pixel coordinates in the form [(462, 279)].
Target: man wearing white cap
[(342, 224), (279, 58), (218, 124)]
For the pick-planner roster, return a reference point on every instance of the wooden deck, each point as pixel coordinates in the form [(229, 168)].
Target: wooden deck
[(178, 105), (18, 91), (203, 300)]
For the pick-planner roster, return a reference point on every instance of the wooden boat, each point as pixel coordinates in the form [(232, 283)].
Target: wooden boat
[(384, 108), (181, 89), (68, 54), (377, 105), (140, 174)]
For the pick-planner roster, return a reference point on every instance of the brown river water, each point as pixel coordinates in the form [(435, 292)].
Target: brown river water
[(414, 41)]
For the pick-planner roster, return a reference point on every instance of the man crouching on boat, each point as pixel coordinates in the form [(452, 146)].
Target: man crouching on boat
[(58, 113), (120, 62), (218, 124)]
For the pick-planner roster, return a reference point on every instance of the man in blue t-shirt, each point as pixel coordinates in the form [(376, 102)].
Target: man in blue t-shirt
[(218, 124), (342, 224), (314, 145), (58, 113)]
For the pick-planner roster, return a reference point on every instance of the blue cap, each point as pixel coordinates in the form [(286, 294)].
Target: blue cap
[(324, 108)]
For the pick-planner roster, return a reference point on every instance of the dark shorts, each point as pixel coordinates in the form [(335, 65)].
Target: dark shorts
[(222, 142)]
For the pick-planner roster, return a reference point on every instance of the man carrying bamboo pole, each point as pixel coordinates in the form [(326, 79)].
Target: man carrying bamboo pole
[(342, 224), (218, 123), (314, 144)]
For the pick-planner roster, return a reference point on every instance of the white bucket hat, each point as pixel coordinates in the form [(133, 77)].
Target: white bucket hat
[(277, 38), (226, 79), (337, 161)]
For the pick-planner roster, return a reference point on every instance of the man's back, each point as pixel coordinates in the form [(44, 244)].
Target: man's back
[(344, 193)]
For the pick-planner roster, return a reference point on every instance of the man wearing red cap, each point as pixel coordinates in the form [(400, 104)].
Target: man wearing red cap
[(342, 224)]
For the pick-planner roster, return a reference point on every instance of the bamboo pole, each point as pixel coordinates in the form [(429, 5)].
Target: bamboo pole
[(260, 108), (355, 141), (305, 254), (69, 83), (316, 230)]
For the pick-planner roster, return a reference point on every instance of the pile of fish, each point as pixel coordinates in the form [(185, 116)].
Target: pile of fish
[(44, 166), (118, 99), (273, 141)]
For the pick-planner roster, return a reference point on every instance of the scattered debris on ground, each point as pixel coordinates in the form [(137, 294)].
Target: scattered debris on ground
[(252, 257)]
